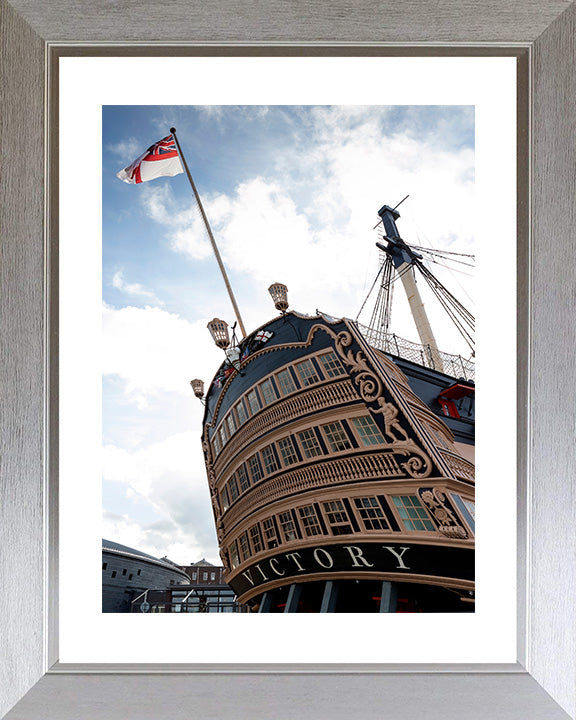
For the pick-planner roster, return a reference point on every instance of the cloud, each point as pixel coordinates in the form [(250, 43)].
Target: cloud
[(307, 219), (155, 351), (162, 539), (169, 476), (134, 289), (127, 150), (183, 226)]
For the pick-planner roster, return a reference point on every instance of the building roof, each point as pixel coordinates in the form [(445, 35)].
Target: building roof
[(114, 547), (201, 563)]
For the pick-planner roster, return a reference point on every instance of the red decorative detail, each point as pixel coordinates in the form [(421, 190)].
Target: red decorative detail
[(163, 149), (456, 391), (449, 408)]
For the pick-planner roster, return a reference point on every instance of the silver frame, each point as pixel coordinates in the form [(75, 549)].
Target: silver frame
[(542, 685)]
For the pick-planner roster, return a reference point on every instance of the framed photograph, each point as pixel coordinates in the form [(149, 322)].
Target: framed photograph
[(298, 152), (332, 676)]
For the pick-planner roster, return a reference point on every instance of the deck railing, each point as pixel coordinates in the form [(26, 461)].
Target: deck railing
[(454, 365)]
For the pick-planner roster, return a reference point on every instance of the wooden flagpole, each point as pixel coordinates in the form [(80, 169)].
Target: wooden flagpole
[(210, 235)]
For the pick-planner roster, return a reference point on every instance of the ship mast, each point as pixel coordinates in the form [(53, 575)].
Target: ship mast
[(403, 258)]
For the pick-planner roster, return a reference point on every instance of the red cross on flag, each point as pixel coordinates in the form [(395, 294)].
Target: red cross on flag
[(160, 160)]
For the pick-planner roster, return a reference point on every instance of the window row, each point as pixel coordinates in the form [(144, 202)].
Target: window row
[(115, 572), (334, 517), (287, 381), (196, 576), (308, 444)]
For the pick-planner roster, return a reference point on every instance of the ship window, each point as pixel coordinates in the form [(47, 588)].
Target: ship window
[(310, 443), (270, 464), (222, 435), (124, 571), (310, 520), (468, 510), (287, 525), (224, 499), (244, 546), (332, 366), (413, 515), (368, 431), (255, 469), (243, 478), (104, 566), (216, 444), (234, 557), (138, 573), (253, 401), (194, 575), (212, 576), (130, 576), (241, 412), (230, 423), (337, 517), (113, 573), (233, 488), (270, 533), (337, 436), (286, 382), (307, 373), (441, 441), (268, 392), (256, 538), (287, 451), (371, 513)]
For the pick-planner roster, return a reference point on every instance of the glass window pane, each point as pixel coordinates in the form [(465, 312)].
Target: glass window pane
[(255, 469), (310, 520), (368, 431), (307, 373), (270, 464), (268, 391), (413, 514), (253, 401), (337, 438), (240, 412), (286, 382), (331, 365), (287, 451), (310, 443)]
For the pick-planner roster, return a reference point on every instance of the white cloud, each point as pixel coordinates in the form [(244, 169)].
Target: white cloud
[(170, 477), (183, 226), (134, 289), (308, 222), (157, 539), (156, 352), (127, 150)]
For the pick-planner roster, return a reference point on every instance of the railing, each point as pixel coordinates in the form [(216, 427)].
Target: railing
[(314, 398), (366, 467), (454, 365), (462, 468)]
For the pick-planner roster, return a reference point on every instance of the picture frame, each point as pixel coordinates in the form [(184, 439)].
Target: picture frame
[(543, 682)]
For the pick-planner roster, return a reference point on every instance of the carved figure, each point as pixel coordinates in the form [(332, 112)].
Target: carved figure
[(391, 423)]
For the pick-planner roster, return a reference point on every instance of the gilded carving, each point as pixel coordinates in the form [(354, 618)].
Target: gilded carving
[(448, 525)]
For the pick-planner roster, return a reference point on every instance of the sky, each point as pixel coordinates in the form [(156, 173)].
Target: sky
[(292, 195)]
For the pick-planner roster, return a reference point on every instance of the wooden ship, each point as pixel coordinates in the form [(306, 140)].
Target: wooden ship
[(340, 458)]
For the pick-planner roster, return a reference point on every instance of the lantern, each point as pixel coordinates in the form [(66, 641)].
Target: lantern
[(219, 331), (198, 388), (279, 293)]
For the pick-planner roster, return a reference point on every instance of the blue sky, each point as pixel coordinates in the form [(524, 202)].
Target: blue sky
[(292, 195)]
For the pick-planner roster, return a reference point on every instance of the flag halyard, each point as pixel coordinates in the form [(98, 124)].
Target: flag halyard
[(159, 160)]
